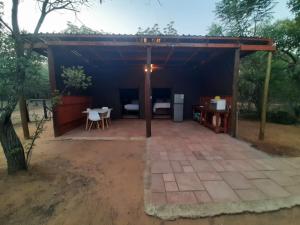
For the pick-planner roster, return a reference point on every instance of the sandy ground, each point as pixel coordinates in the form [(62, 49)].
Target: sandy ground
[(91, 183), (279, 139)]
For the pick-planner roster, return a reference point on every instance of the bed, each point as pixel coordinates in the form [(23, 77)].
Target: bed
[(162, 107), (132, 109)]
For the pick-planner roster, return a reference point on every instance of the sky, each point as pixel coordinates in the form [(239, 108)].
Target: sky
[(125, 16)]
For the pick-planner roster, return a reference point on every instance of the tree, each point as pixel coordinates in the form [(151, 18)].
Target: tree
[(294, 5), (241, 17), (156, 30), (83, 29), (215, 30), (10, 142)]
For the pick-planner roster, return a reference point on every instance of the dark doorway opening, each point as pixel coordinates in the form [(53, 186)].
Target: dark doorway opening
[(161, 103), (130, 103)]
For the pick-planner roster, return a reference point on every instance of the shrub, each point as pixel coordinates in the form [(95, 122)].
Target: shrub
[(297, 110), (281, 117)]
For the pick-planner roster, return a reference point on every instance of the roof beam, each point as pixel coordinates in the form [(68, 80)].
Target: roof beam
[(169, 56), (166, 44)]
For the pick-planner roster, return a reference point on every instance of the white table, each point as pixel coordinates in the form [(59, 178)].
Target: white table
[(100, 111)]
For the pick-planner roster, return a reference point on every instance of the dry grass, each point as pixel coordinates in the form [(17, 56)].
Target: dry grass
[(279, 139)]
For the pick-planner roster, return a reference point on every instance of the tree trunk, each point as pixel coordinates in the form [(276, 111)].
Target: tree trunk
[(12, 146), (24, 117)]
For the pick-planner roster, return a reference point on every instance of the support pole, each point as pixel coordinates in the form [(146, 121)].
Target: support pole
[(52, 79), (147, 94), (45, 109), (265, 99), (234, 117), (24, 118)]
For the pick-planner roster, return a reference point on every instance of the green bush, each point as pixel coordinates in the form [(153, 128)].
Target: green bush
[(297, 110), (281, 117)]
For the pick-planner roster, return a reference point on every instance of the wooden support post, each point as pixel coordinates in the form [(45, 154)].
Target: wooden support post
[(51, 69), (24, 119), (236, 69), (265, 99), (45, 109), (147, 94), (52, 78)]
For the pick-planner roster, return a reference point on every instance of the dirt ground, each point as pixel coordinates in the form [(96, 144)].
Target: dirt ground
[(279, 139), (92, 183)]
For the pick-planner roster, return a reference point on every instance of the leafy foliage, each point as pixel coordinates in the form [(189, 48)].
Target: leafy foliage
[(156, 30), (36, 82), (75, 78), (295, 7), (215, 30), (83, 29), (241, 17)]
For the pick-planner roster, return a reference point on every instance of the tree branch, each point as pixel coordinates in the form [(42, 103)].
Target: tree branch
[(14, 18), (6, 25), (49, 6)]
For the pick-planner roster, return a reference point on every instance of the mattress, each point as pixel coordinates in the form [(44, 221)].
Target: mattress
[(132, 107), (161, 105)]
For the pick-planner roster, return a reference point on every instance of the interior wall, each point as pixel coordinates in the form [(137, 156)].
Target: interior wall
[(218, 75)]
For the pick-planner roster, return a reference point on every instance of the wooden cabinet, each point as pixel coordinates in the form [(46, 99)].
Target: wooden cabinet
[(217, 120)]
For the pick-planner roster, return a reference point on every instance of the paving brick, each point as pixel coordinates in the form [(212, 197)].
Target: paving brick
[(216, 165), (220, 191), (227, 165), (236, 180), (280, 178), (202, 165), (177, 168), (250, 194), (168, 177), (260, 165), (176, 156), (209, 176), (158, 198), (253, 174), (294, 162), (171, 186), (270, 188), (161, 167), (295, 172), (188, 169), (277, 164), (157, 183), (293, 189), (202, 196), (241, 165), (185, 163), (181, 198), (188, 182), (163, 153)]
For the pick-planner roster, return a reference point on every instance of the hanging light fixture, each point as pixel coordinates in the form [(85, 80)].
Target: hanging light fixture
[(151, 68)]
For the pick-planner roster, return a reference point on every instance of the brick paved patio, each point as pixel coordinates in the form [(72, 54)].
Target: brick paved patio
[(193, 172)]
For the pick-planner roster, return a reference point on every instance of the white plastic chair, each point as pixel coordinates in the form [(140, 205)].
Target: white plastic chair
[(93, 116), (105, 108), (87, 118), (107, 117)]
